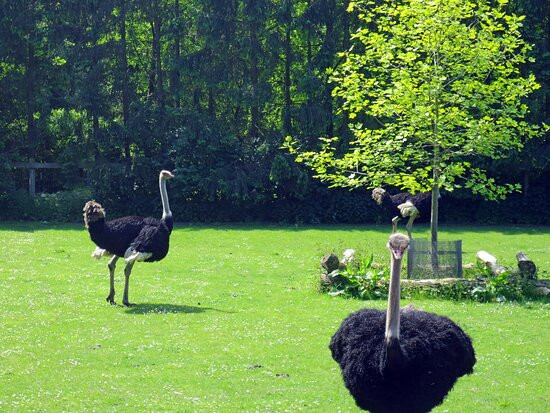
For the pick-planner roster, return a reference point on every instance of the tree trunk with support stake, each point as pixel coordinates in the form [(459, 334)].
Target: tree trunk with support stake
[(434, 223)]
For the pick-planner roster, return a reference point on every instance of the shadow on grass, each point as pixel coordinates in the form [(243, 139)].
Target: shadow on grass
[(147, 308)]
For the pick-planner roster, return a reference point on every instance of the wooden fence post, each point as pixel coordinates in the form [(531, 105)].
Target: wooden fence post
[(459, 258), (410, 258), (32, 178)]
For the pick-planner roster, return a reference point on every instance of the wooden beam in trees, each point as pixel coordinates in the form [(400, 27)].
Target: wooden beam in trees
[(32, 166)]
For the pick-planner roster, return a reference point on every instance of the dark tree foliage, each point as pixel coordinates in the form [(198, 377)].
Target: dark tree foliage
[(116, 90)]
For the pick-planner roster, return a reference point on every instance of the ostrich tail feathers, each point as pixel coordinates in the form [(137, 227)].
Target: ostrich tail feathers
[(100, 252), (407, 209), (93, 212)]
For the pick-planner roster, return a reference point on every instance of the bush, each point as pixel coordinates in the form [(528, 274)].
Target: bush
[(365, 279), (361, 279), (63, 206)]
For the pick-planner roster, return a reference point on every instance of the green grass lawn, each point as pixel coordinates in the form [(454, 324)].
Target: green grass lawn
[(231, 321)]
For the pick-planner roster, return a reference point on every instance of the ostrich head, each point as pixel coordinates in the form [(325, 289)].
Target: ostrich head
[(398, 244), (378, 195), (93, 212), (164, 174)]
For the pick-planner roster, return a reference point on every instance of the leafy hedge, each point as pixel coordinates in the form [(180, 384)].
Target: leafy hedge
[(63, 206), (317, 205)]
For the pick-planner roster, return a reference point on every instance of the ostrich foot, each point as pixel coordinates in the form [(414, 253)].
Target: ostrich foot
[(111, 299), (394, 222), (128, 304)]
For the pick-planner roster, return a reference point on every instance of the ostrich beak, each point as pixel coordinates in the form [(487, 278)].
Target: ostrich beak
[(397, 253)]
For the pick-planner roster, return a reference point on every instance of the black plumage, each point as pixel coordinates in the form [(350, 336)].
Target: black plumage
[(134, 238), (407, 363), (432, 353), (404, 205), (145, 235)]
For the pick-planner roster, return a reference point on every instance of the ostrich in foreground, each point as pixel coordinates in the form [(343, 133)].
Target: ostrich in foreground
[(400, 361), (134, 238), (404, 205)]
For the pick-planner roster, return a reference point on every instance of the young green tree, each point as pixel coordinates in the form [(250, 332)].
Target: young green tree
[(429, 86)]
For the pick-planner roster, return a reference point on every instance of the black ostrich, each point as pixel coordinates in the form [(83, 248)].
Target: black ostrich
[(405, 362), (404, 205), (134, 238)]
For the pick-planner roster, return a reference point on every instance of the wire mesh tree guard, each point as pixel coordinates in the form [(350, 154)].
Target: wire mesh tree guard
[(423, 264)]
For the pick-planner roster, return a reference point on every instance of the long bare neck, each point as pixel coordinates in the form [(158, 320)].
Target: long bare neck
[(392, 315), (164, 197)]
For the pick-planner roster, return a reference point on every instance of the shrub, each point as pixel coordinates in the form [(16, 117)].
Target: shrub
[(63, 206), (362, 279), (368, 280)]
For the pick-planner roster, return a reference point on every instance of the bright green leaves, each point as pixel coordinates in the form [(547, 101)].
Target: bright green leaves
[(480, 184), (58, 61), (433, 84)]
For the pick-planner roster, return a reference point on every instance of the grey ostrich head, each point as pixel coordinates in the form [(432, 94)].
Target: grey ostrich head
[(398, 244), (93, 212), (164, 174), (378, 195)]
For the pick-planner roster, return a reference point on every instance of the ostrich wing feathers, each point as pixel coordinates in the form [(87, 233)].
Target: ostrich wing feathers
[(153, 239)]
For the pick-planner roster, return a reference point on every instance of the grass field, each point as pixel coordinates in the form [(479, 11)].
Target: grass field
[(231, 321)]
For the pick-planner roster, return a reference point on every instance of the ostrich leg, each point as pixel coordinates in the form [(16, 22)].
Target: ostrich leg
[(394, 222), (112, 264), (127, 271), (409, 225)]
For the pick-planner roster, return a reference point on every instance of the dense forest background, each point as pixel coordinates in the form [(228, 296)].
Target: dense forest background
[(115, 90)]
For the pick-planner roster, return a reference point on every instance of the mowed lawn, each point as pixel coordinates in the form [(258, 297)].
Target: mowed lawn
[(231, 321)]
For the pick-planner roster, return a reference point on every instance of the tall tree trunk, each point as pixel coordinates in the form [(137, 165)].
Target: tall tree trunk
[(156, 27), (254, 76), (434, 223), (434, 218), (309, 101), (95, 133), (211, 102), (329, 42), (237, 119), (175, 78), (526, 184), (152, 67), (94, 77), (29, 97), (345, 26), (287, 117), (125, 83), (309, 49), (197, 99), (344, 127)]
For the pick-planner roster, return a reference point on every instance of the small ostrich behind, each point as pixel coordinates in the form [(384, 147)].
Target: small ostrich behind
[(404, 205), (134, 238), (400, 361)]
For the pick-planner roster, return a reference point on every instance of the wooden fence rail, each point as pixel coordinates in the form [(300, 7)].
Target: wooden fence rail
[(33, 166)]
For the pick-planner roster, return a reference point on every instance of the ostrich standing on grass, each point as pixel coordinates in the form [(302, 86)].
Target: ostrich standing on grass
[(400, 361), (134, 238), (404, 205)]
